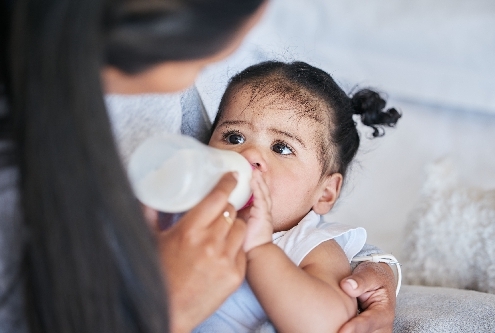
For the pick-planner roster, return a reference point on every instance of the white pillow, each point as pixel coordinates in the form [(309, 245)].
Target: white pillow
[(450, 235)]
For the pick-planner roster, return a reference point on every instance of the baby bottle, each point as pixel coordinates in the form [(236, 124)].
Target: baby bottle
[(172, 173)]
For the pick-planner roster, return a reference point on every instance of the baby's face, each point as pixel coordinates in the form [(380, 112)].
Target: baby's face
[(285, 145)]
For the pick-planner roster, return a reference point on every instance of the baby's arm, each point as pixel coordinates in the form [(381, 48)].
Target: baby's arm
[(307, 298)]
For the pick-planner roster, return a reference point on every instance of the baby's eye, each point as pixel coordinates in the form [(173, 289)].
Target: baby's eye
[(234, 138), (282, 148)]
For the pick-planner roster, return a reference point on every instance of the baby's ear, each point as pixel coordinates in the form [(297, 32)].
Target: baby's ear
[(329, 192)]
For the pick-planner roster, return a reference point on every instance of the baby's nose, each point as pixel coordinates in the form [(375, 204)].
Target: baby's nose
[(261, 166), (255, 158)]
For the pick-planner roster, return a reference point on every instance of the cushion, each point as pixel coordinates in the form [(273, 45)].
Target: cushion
[(444, 310), (450, 235)]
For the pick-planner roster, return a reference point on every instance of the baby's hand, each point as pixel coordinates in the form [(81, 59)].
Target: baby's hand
[(259, 223)]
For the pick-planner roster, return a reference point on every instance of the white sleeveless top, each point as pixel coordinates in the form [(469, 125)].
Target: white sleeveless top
[(241, 312)]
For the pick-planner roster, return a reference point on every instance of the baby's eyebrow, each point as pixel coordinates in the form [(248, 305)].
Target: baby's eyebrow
[(289, 135), (234, 122)]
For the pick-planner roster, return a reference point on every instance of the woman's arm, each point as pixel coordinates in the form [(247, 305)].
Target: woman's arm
[(307, 298), (202, 258)]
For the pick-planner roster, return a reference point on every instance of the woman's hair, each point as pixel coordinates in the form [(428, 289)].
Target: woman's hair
[(90, 262), (313, 90), (141, 33)]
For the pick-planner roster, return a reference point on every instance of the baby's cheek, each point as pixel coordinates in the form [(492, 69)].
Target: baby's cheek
[(214, 142), (279, 216)]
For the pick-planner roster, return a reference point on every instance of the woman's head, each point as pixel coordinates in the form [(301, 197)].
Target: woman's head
[(319, 97), (140, 33), (160, 46), (91, 264)]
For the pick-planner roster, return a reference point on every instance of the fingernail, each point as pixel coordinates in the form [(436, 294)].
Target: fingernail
[(236, 175), (352, 283)]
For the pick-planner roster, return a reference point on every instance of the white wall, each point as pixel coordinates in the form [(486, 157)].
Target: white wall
[(441, 52), (385, 181)]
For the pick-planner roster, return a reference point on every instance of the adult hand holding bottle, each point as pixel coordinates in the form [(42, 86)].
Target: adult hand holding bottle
[(202, 257)]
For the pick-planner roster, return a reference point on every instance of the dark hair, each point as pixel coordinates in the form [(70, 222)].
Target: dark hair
[(146, 32), (293, 81), (90, 262)]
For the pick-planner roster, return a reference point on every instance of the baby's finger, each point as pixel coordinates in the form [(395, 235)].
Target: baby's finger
[(207, 211), (265, 190), (259, 202), (255, 187)]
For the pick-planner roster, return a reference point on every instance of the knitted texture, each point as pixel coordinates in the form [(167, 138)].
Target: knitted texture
[(135, 118), (450, 236)]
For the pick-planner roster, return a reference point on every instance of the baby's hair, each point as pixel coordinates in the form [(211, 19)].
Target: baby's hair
[(294, 82)]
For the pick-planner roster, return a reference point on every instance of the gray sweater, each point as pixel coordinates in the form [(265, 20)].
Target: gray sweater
[(12, 241)]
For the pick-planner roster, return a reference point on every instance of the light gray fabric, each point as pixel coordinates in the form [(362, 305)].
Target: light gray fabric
[(444, 310), (12, 238), (195, 121), (135, 118), (266, 327)]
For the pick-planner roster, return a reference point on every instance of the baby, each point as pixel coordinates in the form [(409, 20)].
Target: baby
[(295, 126)]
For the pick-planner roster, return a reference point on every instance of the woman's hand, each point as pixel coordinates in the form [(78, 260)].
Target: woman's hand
[(202, 258), (374, 286), (259, 222)]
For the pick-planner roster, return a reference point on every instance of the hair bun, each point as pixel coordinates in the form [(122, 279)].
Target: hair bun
[(370, 106)]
